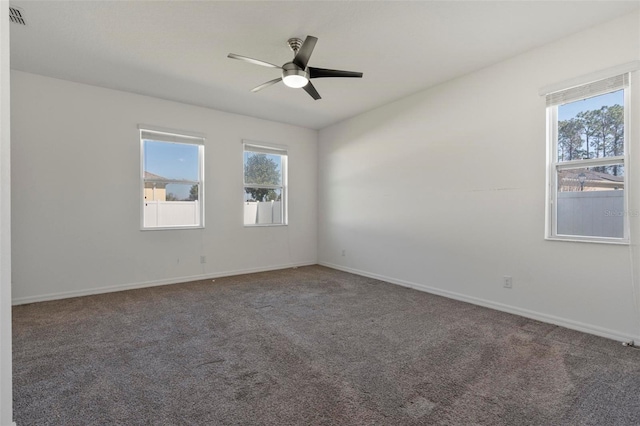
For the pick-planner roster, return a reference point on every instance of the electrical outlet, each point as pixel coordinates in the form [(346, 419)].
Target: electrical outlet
[(507, 281), (203, 259), (344, 252)]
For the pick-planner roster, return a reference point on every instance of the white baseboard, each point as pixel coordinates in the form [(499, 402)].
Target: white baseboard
[(132, 286), (551, 319)]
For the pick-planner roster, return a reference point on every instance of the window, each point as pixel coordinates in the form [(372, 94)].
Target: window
[(172, 180), (265, 185), (587, 161)]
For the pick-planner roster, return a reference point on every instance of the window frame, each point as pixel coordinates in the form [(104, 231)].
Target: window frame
[(554, 167), (274, 149), (176, 137)]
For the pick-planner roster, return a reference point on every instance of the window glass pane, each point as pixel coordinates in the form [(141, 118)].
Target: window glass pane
[(591, 127), (591, 201), (262, 206), (262, 169), (167, 160), (171, 184)]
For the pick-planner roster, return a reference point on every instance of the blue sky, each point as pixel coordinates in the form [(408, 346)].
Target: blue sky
[(172, 161), (570, 110)]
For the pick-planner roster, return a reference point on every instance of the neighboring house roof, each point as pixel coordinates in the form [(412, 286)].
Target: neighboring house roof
[(149, 175), (157, 178), (593, 180), (154, 181)]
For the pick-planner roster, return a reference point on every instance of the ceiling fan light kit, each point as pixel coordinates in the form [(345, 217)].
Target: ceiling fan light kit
[(296, 74), (293, 76)]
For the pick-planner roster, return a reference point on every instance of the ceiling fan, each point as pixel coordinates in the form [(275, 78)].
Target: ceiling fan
[(296, 74)]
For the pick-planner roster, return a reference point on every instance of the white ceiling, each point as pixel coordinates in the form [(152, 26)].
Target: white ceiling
[(178, 50)]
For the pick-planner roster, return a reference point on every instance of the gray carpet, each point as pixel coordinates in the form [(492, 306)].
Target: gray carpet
[(309, 346)]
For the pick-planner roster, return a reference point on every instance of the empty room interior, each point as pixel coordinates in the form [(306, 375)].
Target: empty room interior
[(319, 213)]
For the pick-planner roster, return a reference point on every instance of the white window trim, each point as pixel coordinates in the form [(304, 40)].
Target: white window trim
[(591, 77), (553, 166), (175, 136), (276, 149)]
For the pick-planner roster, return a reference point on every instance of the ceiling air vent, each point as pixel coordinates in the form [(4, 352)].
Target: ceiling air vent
[(16, 15)]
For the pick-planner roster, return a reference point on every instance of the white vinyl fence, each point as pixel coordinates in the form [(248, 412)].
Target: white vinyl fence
[(262, 213), (171, 213), (591, 213)]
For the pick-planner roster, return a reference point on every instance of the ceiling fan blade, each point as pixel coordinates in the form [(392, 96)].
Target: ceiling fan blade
[(251, 60), (322, 72), (312, 91), (303, 55), (267, 84)]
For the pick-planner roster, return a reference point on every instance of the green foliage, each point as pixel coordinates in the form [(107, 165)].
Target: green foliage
[(262, 170), (570, 139), (171, 197), (193, 193)]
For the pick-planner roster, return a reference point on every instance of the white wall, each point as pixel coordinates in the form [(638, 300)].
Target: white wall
[(6, 380), (74, 142), (462, 166)]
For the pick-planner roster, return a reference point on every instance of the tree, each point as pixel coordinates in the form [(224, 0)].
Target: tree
[(570, 140), (616, 131), (261, 170), (603, 120), (589, 128), (193, 193), (597, 133), (171, 197)]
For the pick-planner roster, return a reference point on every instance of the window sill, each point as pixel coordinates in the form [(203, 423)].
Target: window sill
[(610, 241), (266, 225), (171, 228)]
